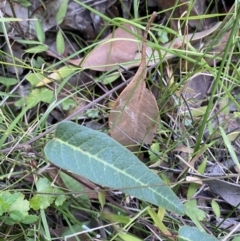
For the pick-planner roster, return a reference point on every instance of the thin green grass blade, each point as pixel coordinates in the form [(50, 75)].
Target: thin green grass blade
[(217, 81), (229, 147)]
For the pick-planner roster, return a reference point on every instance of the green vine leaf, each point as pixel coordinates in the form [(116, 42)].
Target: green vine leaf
[(96, 156)]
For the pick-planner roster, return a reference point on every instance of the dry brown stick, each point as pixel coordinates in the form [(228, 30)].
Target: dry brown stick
[(142, 69)]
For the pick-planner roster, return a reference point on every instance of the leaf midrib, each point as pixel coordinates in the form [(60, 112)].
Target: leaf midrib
[(115, 168)]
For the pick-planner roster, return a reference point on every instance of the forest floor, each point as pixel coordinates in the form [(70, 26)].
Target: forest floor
[(120, 120)]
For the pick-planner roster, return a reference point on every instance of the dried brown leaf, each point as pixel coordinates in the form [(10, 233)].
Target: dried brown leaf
[(228, 191), (135, 114), (118, 47), (125, 50)]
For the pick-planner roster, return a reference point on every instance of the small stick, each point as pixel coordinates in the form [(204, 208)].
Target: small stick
[(142, 71)]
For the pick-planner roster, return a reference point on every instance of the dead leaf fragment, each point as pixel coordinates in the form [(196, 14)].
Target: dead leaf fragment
[(121, 47), (134, 117), (230, 192), (118, 47), (195, 91)]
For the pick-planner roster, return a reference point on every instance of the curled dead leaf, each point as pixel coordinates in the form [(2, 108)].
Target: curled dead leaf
[(134, 117)]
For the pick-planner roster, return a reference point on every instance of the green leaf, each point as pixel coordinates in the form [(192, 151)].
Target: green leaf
[(93, 113), (193, 187), (44, 185), (6, 200), (74, 186), (42, 201), (193, 234), (36, 96), (29, 219), (60, 198), (236, 239), (216, 208), (60, 43), (118, 218), (202, 166), (27, 41), (38, 63), (102, 198), (69, 103), (163, 36), (25, 3), (16, 206), (3, 207), (9, 198), (59, 75), (62, 12), (96, 156), (75, 228), (37, 49), (20, 205), (8, 220), (195, 213), (39, 31), (110, 78), (35, 78), (8, 81), (16, 215), (155, 149), (128, 237), (158, 221)]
